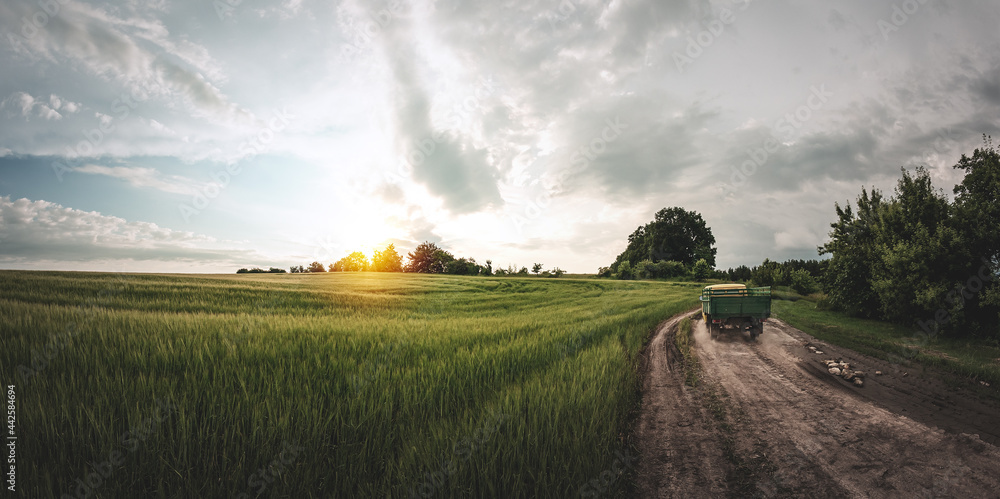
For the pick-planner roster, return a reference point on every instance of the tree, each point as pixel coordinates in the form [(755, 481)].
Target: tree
[(624, 270), (536, 268), (488, 269), (387, 260), (739, 274), (852, 246), (674, 234), (701, 270), (669, 268), (354, 262), (803, 282), (422, 258), (978, 215), (645, 269), (558, 272), (316, 267), (461, 266)]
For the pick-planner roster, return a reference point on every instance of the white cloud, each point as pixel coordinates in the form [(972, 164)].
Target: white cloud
[(40, 230), (21, 102), (144, 178), (24, 103), (160, 127), (48, 113), (115, 48)]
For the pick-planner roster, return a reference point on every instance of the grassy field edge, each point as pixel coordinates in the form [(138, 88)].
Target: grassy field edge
[(977, 360)]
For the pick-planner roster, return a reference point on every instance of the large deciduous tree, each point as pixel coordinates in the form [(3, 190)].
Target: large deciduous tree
[(354, 262), (428, 258), (387, 260), (675, 234)]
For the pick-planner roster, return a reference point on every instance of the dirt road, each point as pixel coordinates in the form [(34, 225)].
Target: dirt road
[(766, 419)]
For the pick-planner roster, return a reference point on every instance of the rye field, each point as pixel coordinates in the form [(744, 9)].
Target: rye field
[(329, 385)]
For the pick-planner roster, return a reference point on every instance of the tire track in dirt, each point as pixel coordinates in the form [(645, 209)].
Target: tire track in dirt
[(791, 429), (829, 440), (680, 454)]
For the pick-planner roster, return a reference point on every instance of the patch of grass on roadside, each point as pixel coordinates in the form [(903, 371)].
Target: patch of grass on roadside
[(892, 342), (684, 343)]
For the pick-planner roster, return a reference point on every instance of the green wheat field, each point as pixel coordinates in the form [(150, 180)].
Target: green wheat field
[(336, 385)]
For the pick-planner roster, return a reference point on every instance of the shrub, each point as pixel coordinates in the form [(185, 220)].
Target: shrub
[(803, 282)]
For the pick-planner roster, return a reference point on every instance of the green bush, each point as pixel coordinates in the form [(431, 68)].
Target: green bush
[(803, 282)]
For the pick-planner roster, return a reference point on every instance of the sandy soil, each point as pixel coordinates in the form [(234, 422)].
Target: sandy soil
[(768, 420)]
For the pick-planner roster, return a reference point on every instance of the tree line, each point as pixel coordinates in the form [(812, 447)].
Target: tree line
[(913, 258), (803, 276), (919, 258), (427, 258)]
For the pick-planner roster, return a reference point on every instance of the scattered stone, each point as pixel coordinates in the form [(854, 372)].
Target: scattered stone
[(905, 374), (817, 351), (812, 348), (847, 374), (859, 374), (858, 382), (834, 371), (984, 383)]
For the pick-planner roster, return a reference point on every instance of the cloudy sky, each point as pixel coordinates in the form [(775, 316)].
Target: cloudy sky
[(205, 136)]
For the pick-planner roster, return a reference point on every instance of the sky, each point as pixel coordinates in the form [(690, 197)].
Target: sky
[(205, 136)]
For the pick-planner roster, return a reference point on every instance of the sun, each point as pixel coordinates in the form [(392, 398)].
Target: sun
[(367, 234)]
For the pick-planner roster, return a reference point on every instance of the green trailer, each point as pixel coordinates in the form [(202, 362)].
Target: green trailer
[(736, 306)]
